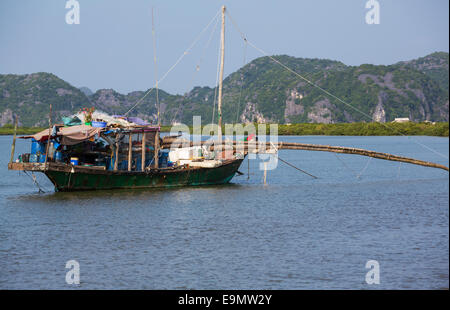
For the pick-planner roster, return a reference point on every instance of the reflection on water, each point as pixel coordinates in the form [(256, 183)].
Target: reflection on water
[(293, 233)]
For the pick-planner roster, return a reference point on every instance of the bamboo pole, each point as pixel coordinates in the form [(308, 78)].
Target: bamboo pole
[(361, 152), (356, 151), (222, 58), (49, 134), (261, 146), (116, 157), (130, 149), (143, 152), (13, 147)]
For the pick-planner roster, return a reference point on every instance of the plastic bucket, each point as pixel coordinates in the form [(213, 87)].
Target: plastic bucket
[(74, 161)]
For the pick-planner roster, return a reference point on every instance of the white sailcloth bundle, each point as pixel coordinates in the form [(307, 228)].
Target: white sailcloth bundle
[(110, 120)]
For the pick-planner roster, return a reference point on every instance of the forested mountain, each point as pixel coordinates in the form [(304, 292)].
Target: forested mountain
[(261, 91)]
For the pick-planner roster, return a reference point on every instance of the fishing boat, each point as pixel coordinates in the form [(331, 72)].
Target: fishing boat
[(95, 156), (80, 160)]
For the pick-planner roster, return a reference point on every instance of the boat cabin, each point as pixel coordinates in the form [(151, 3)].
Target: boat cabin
[(107, 148)]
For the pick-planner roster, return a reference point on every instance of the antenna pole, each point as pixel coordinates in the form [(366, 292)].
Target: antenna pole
[(222, 56)]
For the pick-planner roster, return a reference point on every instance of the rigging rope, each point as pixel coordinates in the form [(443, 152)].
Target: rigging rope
[(242, 81), (323, 90), (175, 64), (197, 67)]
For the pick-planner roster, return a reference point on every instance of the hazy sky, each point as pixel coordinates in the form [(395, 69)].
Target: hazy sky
[(112, 45)]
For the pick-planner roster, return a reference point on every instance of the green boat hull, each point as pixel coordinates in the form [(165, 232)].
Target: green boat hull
[(163, 178)]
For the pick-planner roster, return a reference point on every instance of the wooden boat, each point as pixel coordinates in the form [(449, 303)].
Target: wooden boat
[(123, 169)]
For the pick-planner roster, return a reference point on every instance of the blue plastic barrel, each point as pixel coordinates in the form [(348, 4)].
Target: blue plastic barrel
[(37, 147), (34, 146), (138, 162), (58, 156), (163, 159)]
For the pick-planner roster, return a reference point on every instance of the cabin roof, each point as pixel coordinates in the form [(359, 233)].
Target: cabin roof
[(76, 134)]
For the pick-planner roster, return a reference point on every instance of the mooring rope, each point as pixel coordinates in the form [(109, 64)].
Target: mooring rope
[(33, 178), (303, 171), (70, 176)]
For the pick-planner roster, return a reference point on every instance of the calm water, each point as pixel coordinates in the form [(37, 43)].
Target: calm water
[(294, 233)]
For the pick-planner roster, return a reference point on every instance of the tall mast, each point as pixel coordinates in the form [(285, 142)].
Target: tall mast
[(156, 144), (222, 56), (156, 68)]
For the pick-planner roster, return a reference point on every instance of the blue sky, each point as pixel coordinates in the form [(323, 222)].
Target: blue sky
[(112, 45)]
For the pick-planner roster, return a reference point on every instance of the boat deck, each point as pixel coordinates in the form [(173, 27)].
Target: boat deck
[(60, 167)]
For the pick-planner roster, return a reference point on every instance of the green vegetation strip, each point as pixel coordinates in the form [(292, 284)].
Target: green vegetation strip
[(9, 130), (342, 129), (355, 129)]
